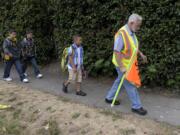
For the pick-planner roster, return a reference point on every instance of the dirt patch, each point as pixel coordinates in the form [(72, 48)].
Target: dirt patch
[(37, 113)]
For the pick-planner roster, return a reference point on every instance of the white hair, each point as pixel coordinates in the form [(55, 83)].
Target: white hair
[(134, 17)]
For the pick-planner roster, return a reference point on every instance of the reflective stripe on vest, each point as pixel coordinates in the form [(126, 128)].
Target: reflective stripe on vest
[(126, 53)]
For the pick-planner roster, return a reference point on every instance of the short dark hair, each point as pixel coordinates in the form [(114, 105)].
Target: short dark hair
[(28, 31), (12, 30), (75, 37)]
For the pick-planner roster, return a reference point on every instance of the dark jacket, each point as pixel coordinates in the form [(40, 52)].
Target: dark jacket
[(28, 48), (11, 47)]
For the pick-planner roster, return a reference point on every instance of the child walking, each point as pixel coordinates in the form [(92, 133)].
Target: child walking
[(28, 49), (12, 54), (75, 65)]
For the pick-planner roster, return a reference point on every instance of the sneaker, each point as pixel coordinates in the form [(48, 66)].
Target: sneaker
[(8, 79), (65, 88), (25, 74), (140, 111), (39, 76), (110, 101), (81, 93), (25, 80)]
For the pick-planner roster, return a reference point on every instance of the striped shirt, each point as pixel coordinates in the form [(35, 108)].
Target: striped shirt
[(77, 51)]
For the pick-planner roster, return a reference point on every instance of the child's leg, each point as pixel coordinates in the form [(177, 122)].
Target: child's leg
[(7, 68), (65, 86), (78, 80), (70, 79), (24, 66), (67, 82), (78, 86), (35, 66), (18, 66)]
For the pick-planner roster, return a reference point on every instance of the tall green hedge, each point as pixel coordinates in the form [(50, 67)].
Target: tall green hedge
[(56, 21), (98, 21)]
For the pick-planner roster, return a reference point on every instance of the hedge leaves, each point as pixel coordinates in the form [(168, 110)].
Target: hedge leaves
[(56, 21)]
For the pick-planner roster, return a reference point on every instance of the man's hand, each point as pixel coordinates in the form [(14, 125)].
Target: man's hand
[(123, 69), (144, 58)]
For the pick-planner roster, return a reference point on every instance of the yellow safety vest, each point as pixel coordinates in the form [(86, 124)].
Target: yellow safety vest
[(126, 53)]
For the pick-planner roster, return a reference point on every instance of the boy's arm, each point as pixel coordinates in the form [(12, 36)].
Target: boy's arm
[(6, 49), (71, 59), (82, 67), (34, 48), (22, 45), (84, 72)]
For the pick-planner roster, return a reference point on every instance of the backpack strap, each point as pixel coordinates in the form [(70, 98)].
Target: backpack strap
[(73, 50)]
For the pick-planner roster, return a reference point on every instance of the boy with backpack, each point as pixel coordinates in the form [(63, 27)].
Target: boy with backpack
[(75, 65)]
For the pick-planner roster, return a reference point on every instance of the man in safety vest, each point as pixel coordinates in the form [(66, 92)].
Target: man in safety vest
[(125, 43)]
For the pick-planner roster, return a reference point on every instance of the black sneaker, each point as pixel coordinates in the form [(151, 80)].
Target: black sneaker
[(81, 93), (65, 88), (110, 101), (140, 111)]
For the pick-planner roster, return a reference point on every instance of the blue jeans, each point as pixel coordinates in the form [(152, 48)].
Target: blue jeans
[(8, 66), (32, 60), (130, 89)]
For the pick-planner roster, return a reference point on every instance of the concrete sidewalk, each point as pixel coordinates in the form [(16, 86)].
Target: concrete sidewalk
[(159, 108)]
